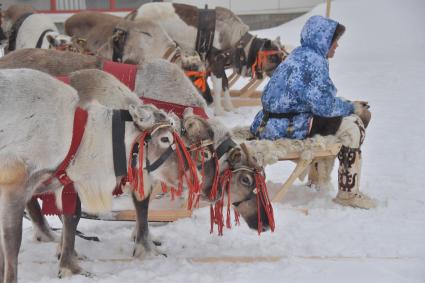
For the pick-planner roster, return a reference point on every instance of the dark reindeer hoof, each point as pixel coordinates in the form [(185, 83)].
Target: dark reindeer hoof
[(157, 243)]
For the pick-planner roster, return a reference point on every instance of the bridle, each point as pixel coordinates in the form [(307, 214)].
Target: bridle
[(222, 180), (137, 159)]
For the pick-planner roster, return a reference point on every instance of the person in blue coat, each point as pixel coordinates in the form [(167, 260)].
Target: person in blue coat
[(300, 101)]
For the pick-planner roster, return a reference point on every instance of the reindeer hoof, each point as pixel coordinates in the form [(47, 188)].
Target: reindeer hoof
[(141, 252), (45, 237), (157, 243), (68, 272)]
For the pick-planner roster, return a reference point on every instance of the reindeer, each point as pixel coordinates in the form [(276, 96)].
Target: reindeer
[(25, 28), (156, 79), (120, 40), (98, 28), (226, 43), (27, 159)]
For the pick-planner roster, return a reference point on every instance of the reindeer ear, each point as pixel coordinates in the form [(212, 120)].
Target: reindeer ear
[(235, 156), (175, 121), (51, 40), (142, 116), (268, 44), (188, 112), (278, 42), (131, 16)]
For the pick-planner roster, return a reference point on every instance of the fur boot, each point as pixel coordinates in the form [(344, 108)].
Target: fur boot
[(349, 180)]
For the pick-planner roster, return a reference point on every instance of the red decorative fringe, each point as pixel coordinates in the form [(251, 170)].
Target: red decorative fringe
[(216, 211)]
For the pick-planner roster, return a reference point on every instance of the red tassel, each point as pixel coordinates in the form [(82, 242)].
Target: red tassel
[(192, 180), (135, 175), (263, 197), (173, 192), (164, 187), (237, 222), (212, 218), (214, 188)]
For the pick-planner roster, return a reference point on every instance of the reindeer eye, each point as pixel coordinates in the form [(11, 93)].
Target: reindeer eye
[(165, 140), (246, 180)]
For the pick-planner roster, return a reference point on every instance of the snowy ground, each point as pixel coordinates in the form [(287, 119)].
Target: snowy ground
[(381, 59)]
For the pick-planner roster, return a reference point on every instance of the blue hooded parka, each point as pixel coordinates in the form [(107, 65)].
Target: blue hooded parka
[(301, 84)]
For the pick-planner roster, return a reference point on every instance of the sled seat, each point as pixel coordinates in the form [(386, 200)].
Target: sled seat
[(302, 164)]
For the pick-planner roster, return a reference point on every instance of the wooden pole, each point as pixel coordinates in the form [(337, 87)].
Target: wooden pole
[(328, 8)]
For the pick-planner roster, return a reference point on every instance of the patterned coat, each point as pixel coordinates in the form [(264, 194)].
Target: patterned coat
[(301, 84)]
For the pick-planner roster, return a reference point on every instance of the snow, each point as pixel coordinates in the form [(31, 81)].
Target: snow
[(381, 59)]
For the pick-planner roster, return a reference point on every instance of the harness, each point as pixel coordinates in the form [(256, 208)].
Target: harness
[(224, 179), (135, 169), (206, 31), (14, 31), (256, 59), (68, 193), (41, 38), (267, 115)]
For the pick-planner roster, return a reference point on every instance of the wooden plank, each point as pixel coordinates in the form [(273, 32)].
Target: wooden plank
[(234, 259), (333, 150), (154, 215), (250, 87), (252, 94), (233, 78), (299, 169), (246, 102)]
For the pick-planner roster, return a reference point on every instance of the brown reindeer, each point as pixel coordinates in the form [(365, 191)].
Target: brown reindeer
[(222, 39)]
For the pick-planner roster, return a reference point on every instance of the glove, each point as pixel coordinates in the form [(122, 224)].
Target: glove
[(361, 109)]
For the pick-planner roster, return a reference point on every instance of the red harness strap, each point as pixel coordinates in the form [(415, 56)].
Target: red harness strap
[(69, 196), (126, 73), (176, 108)]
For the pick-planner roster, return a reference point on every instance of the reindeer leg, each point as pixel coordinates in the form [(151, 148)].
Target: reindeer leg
[(1, 263), (218, 74), (68, 263), (42, 230), (217, 86), (143, 242), (228, 106), (12, 205)]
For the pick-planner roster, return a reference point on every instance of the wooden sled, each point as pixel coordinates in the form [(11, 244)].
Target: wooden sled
[(179, 209), (301, 166), (246, 96)]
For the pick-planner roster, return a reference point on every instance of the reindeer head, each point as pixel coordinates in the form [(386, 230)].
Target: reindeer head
[(243, 188), (161, 158), (58, 41), (271, 54), (139, 40)]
